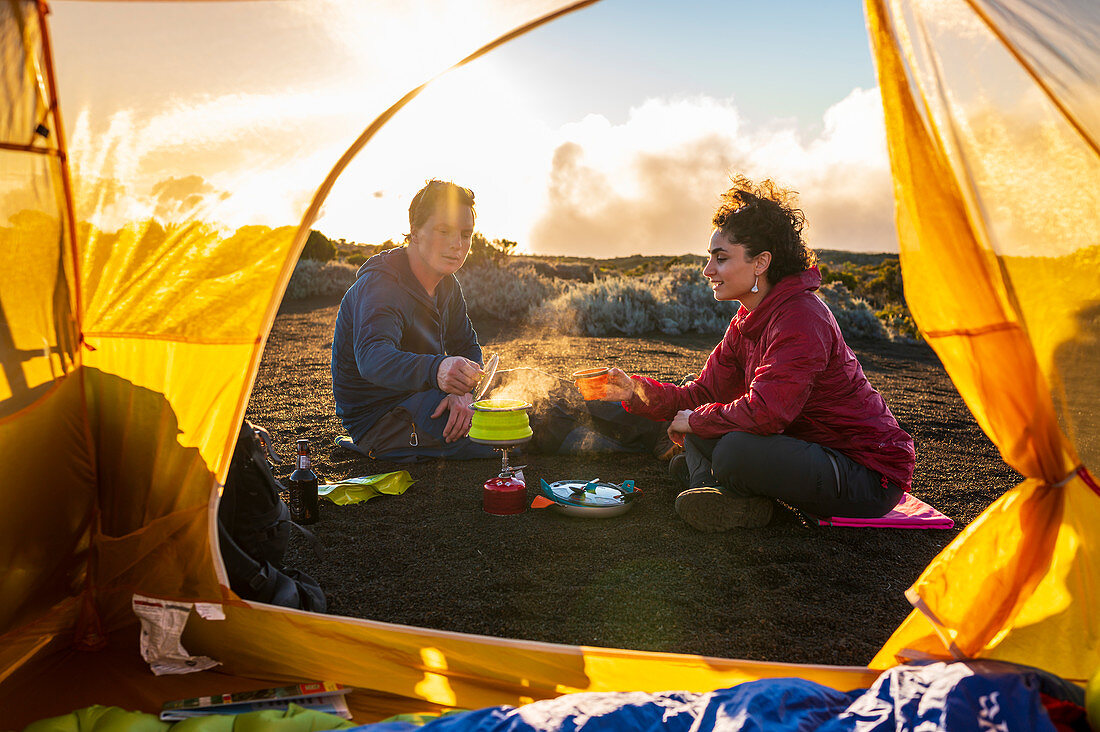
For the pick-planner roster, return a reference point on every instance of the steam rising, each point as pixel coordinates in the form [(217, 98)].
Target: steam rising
[(530, 385)]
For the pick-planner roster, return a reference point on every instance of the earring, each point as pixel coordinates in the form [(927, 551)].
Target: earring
[(756, 285)]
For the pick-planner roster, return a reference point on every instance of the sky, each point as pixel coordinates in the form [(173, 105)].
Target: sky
[(658, 102), (608, 132)]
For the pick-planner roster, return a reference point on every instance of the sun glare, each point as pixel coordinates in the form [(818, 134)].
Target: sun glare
[(475, 126)]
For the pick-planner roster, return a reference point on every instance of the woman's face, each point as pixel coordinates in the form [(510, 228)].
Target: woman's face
[(732, 272)]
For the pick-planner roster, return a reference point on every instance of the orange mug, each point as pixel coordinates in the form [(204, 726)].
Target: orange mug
[(592, 382)]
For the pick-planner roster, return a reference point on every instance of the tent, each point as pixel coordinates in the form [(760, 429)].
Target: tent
[(129, 343)]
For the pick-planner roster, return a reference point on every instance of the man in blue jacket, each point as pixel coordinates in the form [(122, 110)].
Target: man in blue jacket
[(398, 393), (405, 357)]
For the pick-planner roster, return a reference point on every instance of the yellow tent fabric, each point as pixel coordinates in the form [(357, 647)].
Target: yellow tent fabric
[(141, 292), (134, 338), (992, 126)]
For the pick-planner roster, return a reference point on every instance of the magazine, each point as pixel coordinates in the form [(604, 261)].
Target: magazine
[(321, 696)]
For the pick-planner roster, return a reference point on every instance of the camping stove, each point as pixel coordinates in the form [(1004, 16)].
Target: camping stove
[(503, 424)]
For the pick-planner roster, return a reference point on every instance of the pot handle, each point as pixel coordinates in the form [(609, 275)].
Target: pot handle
[(541, 502)]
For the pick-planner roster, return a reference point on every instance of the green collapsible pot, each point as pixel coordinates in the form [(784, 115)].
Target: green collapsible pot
[(500, 421)]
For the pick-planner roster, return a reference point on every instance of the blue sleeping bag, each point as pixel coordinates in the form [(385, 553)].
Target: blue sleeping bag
[(975, 695)]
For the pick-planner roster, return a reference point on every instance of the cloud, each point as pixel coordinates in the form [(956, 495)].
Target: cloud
[(590, 188), (651, 184), (177, 198), (233, 160)]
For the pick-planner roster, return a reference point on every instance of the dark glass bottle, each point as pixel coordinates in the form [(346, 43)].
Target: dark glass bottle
[(302, 486)]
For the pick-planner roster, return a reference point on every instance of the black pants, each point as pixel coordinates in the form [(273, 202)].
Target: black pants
[(807, 476)]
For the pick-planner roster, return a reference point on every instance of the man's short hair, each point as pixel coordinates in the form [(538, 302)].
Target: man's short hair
[(428, 199)]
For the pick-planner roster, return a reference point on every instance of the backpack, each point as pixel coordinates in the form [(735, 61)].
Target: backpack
[(254, 529)]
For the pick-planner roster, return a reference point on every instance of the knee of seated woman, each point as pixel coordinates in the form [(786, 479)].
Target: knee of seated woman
[(736, 455)]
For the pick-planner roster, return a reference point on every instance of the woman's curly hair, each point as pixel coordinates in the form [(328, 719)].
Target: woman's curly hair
[(762, 217)]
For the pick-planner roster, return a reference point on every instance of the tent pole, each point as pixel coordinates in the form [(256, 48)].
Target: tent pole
[(63, 155), (88, 633), (321, 194), (1072, 119)]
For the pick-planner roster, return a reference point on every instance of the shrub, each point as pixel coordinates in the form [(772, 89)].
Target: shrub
[(883, 285), (854, 316), (690, 304), (312, 278), (848, 279), (899, 322), (483, 251), (506, 292), (577, 272), (318, 247), (611, 306), (673, 302)]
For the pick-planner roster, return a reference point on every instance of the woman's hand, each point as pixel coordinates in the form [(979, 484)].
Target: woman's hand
[(459, 416), (680, 426), (620, 387)]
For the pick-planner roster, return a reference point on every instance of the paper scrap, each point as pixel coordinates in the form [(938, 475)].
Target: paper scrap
[(162, 624), (210, 611)]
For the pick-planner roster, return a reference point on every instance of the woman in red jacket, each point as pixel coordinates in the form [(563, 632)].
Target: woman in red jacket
[(782, 409)]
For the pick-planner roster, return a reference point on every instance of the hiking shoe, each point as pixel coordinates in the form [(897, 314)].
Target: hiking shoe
[(709, 509), (666, 449), (678, 469)]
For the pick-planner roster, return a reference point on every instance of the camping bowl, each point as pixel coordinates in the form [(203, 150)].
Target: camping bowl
[(500, 421), (592, 382)]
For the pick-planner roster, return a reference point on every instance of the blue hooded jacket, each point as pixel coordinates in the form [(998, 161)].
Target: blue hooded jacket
[(390, 338)]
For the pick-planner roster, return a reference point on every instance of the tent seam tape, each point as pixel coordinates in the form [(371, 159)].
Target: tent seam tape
[(971, 332), (1082, 472), (238, 341), (13, 147)]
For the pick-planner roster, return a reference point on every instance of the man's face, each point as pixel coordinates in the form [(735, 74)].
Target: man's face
[(443, 241)]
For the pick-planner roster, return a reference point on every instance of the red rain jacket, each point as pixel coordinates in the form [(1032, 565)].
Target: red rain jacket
[(784, 368)]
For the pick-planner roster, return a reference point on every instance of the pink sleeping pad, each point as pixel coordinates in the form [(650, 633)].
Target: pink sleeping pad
[(910, 513)]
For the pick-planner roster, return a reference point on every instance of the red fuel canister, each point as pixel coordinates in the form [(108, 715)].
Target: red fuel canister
[(504, 495)]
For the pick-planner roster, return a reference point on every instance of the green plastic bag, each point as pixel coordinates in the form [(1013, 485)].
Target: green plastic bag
[(357, 490), (97, 718)]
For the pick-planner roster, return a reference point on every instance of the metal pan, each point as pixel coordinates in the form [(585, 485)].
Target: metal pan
[(590, 498)]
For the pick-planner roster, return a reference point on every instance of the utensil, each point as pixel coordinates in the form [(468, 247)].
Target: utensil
[(581, 488), (490, 371)]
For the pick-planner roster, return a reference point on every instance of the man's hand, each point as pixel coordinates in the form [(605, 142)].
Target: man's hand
[(457, 375), (459, 416), (620, 387), (680, 426)]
